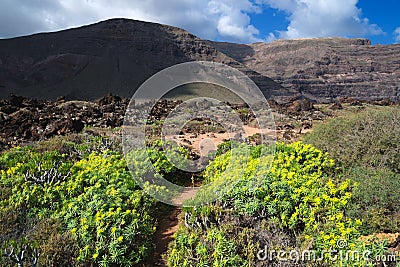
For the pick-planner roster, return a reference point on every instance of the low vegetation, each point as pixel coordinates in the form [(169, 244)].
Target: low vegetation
[(367, 147), (72, 201), (90, 212), (291, 204), (370, 138)]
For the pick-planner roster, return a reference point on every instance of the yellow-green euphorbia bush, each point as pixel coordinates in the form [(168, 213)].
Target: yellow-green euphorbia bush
[(98, 202), (294, 192)]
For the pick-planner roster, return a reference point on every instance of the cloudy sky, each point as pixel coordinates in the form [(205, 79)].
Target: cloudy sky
[(243, 21)]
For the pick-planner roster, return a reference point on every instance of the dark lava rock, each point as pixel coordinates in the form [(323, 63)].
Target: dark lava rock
[(300, 105), (8, 109), (109, 99), (33, 120), (336, 106), (60, 99), (16, 101)]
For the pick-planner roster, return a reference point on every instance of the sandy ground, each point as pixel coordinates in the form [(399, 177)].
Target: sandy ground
[(203, 144)]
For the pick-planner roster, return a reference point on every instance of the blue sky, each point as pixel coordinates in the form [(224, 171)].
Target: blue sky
[(387, 15), (378, 20), (242, 21)]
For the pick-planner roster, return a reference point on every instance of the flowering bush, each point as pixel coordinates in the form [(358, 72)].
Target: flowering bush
[(99, 204), (295, 194)]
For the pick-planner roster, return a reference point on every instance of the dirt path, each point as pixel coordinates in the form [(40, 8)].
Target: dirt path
[(168, 225), (168, 221)]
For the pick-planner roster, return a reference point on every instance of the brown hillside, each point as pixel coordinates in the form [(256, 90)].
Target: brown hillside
[(325, 68), (115, 56)]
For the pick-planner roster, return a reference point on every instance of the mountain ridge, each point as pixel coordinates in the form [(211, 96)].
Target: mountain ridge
[(112, 56), (324, 69), (118, 55)]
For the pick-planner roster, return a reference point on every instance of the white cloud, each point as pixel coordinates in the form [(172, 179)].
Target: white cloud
[(233, 22), (211, 19), (323, 18), (24, 17), (227, 20), (397, 34), (271, 37)]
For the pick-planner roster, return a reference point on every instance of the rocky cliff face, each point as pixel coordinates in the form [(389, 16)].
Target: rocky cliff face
[(118, 55), (325, 69), (115, 56)]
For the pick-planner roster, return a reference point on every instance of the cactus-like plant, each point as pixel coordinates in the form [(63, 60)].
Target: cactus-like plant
[(42, 177)]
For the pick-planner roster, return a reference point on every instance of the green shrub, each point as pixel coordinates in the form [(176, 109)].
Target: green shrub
[(104, 217), (107, 212), (294, 196), (367, 145), (369, 139), (375, 200), (214, 248), (43, 240)]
